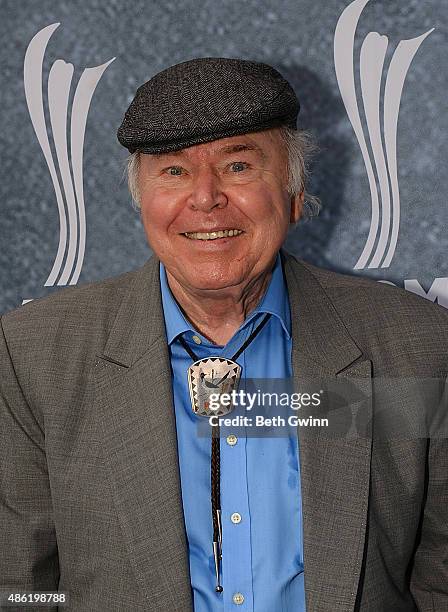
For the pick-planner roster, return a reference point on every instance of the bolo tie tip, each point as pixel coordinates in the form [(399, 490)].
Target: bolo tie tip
[(219, 588)]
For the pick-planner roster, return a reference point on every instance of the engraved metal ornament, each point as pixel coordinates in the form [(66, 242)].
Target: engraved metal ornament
[(206, 377)]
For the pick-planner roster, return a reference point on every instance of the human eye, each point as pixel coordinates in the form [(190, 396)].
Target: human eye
[(238, 166), (173, 170)]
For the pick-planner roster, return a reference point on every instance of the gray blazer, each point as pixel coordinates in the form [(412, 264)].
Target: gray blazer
[(90, 499)]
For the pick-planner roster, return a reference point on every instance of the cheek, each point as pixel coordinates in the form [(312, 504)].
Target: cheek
[(158, 212), (266, 206)]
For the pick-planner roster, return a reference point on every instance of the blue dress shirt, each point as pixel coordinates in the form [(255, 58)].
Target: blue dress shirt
[(262, 559)]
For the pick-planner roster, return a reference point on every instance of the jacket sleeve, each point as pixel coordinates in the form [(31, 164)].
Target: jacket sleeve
[(429, 579), (28, 557)]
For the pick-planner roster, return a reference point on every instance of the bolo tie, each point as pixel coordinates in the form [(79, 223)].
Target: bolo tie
[(215, 375)]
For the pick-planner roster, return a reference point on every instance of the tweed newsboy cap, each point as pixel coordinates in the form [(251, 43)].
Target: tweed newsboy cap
[(205, 99)]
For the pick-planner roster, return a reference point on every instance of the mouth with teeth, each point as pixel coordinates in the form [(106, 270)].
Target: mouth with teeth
[(213, 235)]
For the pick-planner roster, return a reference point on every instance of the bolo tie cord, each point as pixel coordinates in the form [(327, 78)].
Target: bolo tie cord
[(215, 474), (215, 463)]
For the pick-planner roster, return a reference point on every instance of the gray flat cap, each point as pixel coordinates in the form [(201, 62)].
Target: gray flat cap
[(205, 99)]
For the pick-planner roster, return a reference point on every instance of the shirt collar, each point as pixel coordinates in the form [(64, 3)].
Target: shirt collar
[(274, 301)]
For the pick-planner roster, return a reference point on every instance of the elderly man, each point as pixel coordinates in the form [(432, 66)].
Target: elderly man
[(107, 492)]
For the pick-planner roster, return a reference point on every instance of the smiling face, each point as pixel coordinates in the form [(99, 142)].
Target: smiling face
[(217, 213)]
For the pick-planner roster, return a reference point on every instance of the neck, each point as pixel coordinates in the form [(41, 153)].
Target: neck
[(217, 314)]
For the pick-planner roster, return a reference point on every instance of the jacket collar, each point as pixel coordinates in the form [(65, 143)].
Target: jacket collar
[(317, 328)]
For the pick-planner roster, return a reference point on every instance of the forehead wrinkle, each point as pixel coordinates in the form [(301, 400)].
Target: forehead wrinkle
[(167, 154)]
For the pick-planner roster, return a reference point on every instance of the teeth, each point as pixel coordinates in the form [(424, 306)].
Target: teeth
[(212, 235)]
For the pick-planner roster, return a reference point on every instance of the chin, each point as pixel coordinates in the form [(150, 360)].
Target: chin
[(212, 283), (214, 277)]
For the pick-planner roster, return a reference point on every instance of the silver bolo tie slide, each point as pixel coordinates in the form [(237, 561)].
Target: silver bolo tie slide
[(206, 377)]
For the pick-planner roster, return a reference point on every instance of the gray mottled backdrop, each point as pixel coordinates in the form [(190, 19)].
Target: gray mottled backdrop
[(297, 37)]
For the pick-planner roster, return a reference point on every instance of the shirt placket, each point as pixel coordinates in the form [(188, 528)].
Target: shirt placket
[(236, 521), (236, 533)]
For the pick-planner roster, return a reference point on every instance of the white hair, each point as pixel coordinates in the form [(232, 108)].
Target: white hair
[(299, 147)]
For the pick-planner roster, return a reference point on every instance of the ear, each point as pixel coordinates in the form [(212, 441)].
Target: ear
[(297, 207)]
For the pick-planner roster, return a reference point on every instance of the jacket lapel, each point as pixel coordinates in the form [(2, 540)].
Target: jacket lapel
[(335, 467), (134, 398)]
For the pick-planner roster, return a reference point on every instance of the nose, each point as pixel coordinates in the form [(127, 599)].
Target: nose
[(207, 193)]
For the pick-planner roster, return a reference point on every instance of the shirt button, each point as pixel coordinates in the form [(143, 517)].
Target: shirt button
[(197, 339), (238, 598), (231, 440), (236, 518)]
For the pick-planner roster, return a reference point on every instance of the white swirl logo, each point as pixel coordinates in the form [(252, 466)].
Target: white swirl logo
[(67, 176), (382, 170)]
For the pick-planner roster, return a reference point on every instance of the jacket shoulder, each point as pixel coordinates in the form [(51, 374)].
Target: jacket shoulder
[(366, 293), (84, 300), (381, 318), (75, 318)]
